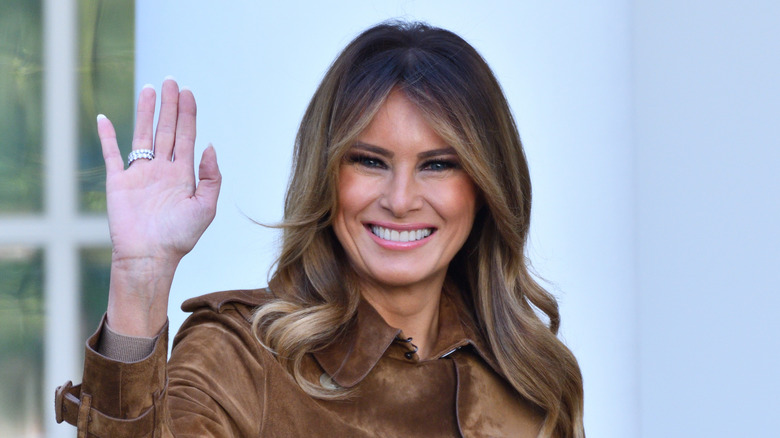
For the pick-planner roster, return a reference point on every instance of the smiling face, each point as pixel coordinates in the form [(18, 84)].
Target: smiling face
[(405, 204)]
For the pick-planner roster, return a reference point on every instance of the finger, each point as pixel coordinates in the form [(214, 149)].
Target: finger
[(207, 191), (166, 123), (144, 118), (111, 154), (185, 129)]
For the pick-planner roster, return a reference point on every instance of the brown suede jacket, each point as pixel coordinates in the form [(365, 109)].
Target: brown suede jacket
[(221, 382)]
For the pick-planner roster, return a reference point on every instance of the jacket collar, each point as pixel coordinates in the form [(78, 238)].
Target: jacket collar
[(349, 359)]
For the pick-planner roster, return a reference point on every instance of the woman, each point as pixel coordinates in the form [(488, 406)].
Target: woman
[(401, 304)]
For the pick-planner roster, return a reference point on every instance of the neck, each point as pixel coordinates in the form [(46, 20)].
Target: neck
[(414, 310)]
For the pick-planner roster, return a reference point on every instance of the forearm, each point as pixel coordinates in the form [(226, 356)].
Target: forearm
[(117, 398), (138, 295), (195, 394)]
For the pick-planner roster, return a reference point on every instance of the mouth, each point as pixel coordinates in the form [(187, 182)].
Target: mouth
[(392, 235)]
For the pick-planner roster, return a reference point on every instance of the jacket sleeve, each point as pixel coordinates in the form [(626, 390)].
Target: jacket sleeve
[(213, 385), (116, 398)]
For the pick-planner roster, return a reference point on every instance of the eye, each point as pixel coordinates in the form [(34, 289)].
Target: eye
[(366, 161), (440, 165)]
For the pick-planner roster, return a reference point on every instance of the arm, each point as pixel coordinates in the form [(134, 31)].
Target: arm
[(117, 398), (213, 385), (156, 214)]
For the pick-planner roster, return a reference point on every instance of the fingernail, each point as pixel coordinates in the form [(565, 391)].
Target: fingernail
[(184, 87), (169, 77), (100, 117), (148, 86)]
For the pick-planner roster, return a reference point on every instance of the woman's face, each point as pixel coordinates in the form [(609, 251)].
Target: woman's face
[(405, 204)]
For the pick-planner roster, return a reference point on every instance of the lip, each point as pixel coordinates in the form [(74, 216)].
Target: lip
[(389, 244), (399, 227)]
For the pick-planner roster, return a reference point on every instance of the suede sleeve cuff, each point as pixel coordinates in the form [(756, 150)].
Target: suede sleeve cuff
[(124, 389)]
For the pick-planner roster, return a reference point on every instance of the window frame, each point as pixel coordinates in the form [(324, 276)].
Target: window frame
[(60, 230)]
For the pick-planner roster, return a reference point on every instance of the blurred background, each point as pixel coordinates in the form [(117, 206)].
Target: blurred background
[(60, 64), (650, 128)]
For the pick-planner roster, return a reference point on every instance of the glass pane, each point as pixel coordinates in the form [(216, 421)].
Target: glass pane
[(95, 270), (21, 117), (21, 341), (106, 68)]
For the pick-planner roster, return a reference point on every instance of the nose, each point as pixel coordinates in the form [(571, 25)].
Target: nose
[(401, 194)]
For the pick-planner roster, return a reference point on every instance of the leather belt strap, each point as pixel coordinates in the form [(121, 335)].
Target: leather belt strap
[(83, 419), (73, 407)]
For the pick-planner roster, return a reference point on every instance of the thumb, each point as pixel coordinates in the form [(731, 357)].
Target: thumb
[(210, 180)]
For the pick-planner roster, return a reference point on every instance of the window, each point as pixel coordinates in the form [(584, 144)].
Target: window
[(61, 63)]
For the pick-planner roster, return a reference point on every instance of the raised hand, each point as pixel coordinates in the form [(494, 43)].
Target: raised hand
[(156, 211)]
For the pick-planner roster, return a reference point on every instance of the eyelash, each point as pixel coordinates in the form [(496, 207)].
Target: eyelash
[(366, 161), (443, 164), (377, 163)]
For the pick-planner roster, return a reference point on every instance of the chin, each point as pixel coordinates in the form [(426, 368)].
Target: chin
[(399, 278)]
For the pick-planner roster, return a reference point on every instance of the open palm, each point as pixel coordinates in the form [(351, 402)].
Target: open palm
[(155, 209)]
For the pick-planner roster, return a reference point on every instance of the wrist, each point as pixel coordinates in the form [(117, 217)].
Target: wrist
[(139, 318), (138, 295), (144, 264)]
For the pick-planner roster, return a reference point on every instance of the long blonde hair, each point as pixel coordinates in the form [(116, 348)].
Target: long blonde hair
[(317, 293)]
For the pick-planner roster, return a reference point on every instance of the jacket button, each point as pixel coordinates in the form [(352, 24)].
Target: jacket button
[(327, 382)]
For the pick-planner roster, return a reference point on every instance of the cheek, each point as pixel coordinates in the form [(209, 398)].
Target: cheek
[(348, 193), (354, 195), (458, 200)]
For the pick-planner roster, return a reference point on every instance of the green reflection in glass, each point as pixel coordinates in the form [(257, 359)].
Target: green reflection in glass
[(106, 68), (21, 341), (95, 270), (21, 97)]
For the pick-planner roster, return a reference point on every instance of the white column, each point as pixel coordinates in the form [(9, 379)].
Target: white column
[(61, 259)]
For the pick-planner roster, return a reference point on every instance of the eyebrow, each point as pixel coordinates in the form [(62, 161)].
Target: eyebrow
[(449, 150)]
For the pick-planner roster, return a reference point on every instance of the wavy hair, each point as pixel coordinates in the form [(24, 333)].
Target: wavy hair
[(317, 293)]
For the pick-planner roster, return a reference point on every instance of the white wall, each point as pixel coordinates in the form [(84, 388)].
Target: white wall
[(565, 67), (707, 102)]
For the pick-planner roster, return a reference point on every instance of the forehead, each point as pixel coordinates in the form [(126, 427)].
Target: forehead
[(400, 126)]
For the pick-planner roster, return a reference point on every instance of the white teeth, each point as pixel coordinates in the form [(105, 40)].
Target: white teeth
[(402, 236)]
